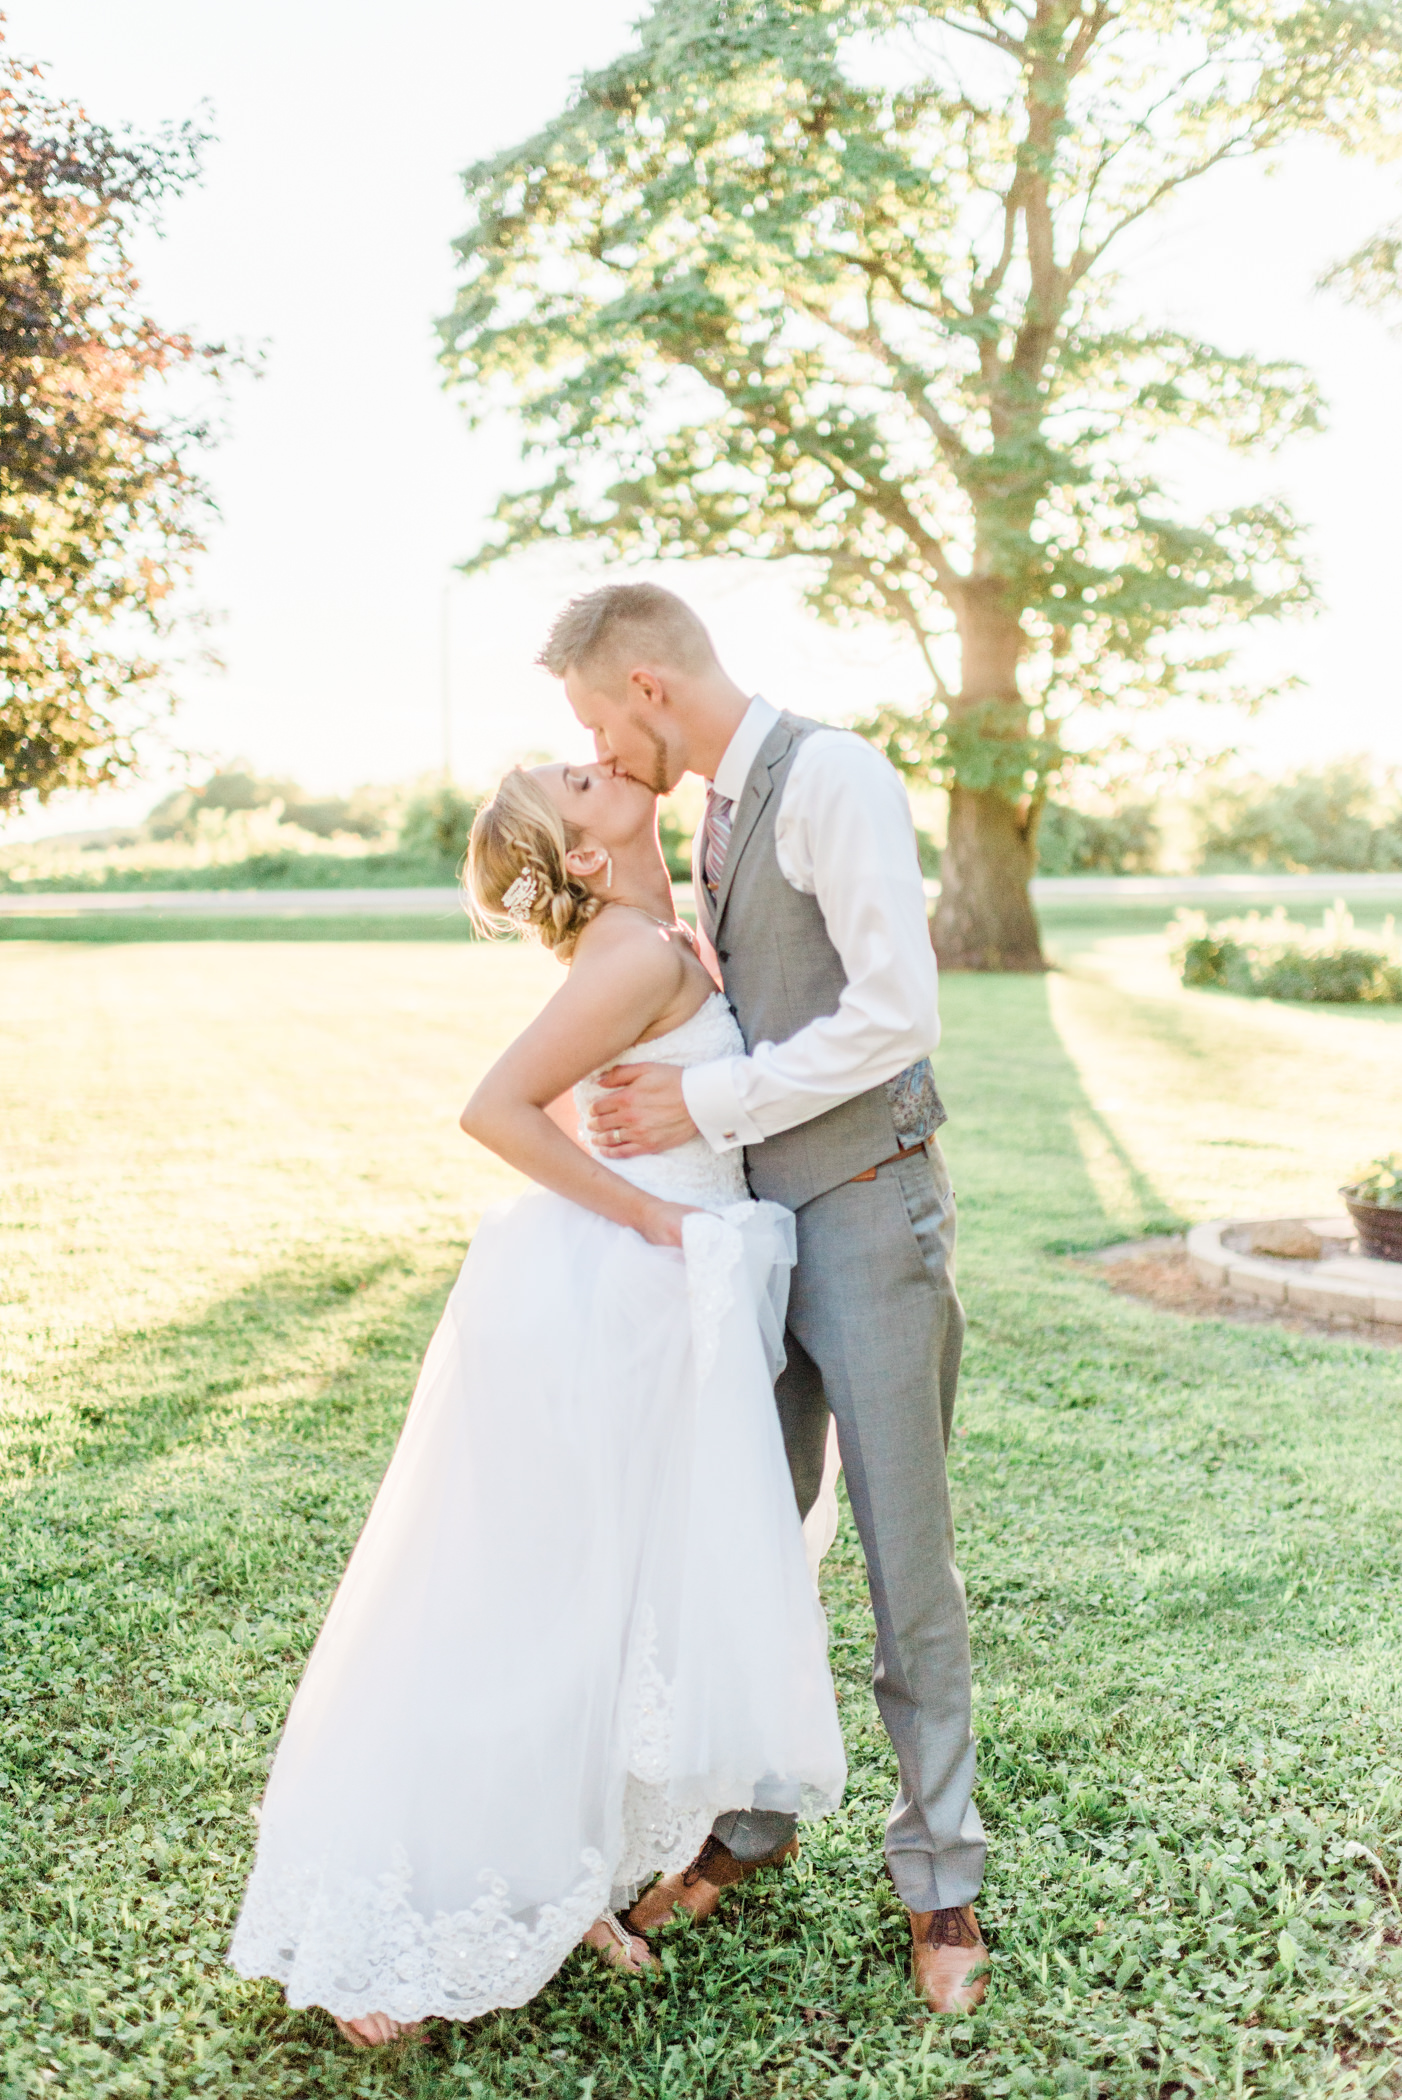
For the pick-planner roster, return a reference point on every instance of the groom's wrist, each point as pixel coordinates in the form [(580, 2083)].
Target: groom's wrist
[(712, 1096)]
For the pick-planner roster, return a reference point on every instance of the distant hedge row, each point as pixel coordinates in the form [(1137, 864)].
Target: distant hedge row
[(1338, 819), (262, 871)]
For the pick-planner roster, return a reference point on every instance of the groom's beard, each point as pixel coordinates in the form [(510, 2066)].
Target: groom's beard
[(659, 783)]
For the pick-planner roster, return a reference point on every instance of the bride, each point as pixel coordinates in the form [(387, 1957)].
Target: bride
[(578, 1625)]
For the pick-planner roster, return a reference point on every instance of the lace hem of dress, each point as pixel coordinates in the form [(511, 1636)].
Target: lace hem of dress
[(658, 1838), (355, 1945)]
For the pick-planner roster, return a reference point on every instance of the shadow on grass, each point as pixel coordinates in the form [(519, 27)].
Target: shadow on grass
[(322, 1347), (1023, 1131)]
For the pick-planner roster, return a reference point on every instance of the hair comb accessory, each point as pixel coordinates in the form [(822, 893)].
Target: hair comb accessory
[(517, 901)]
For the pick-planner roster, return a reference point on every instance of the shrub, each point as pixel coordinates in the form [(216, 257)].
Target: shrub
[(1271, 958), (1072, 842), (436, 824)]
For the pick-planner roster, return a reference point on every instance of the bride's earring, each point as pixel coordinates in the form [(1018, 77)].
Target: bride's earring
[(608, 871)]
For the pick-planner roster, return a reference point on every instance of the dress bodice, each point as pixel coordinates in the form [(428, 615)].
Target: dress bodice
[(690, 1173)]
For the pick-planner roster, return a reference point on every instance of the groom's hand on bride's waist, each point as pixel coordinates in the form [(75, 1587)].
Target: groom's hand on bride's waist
[(643, 1110)]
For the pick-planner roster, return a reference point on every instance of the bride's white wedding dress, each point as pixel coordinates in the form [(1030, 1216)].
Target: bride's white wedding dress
[(578, 1624)]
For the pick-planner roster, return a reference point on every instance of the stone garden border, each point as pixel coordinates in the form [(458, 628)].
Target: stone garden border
[(1349, 1286)]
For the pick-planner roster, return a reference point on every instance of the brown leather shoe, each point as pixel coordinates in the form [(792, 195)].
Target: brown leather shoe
[(948, 1949), (697, 1891)]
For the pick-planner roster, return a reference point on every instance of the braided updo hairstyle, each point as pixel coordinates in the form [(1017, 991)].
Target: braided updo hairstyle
[(521, 833)]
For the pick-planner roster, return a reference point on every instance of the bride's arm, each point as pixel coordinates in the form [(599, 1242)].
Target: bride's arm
[(622, 979), (564, 1115)]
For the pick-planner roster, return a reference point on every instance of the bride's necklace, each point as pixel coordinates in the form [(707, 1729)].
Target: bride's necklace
[(667, 926)]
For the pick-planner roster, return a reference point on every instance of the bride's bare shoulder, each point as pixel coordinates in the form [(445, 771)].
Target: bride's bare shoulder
[(622, 939)]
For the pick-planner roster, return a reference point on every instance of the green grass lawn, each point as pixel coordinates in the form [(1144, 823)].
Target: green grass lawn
[(123, 929), (235, 1195)]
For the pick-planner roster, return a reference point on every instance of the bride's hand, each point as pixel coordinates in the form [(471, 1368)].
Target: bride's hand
[(661, 1223)]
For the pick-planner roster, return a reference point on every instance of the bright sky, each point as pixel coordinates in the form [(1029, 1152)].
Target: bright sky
[(348, 487)]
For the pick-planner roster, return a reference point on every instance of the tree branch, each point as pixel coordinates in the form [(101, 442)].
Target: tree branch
[(985, 12), (941, 307), (986, 289), (904, 608), (996, 37), (1139, 129), (910, 381), (889, 503), (883, 497), (1084, 39), (1230, 150)]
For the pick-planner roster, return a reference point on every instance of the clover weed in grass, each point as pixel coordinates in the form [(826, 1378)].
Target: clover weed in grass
[(236, 1204)]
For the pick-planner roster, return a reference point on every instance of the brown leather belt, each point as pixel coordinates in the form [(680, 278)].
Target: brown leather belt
[(905, 1152)]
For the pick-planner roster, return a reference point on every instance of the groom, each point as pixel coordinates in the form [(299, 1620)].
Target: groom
[(809, 896)]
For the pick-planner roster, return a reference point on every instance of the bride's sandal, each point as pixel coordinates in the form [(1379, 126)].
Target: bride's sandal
[(382, 2030), (620, 1949)]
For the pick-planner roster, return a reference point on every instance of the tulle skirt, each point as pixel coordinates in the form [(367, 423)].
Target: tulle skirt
[(577, 1627)]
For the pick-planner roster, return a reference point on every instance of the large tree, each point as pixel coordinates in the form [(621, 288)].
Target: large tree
[(100, 511), (829, 279)]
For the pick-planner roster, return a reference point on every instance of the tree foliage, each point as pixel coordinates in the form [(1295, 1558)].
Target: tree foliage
[(831, 279), (1331, 817), (437, 823), (1120, 841), (1372, 276), (100, 511), (364, 814)]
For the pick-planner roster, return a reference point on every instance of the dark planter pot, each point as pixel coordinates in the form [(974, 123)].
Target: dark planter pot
[(1379, 1231)]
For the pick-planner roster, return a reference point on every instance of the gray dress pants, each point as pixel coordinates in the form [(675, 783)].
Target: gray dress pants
[(875, 1329)]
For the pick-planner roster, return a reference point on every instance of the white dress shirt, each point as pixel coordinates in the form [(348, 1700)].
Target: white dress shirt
[(844, 836)]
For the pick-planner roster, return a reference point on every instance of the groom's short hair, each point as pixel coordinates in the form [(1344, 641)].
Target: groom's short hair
[(626, 618)]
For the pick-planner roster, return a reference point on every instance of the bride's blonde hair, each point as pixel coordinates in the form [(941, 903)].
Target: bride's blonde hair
[(518, 845)]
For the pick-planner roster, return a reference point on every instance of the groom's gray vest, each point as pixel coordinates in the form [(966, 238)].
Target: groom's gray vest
[(781, 971)]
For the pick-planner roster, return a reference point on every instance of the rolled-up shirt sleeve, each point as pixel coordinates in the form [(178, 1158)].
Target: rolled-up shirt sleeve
[(844, 836)]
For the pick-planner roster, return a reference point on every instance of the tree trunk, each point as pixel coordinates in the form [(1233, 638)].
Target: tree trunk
[(984, 919)]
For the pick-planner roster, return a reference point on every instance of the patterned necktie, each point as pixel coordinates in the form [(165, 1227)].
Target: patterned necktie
[(715, 838)]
